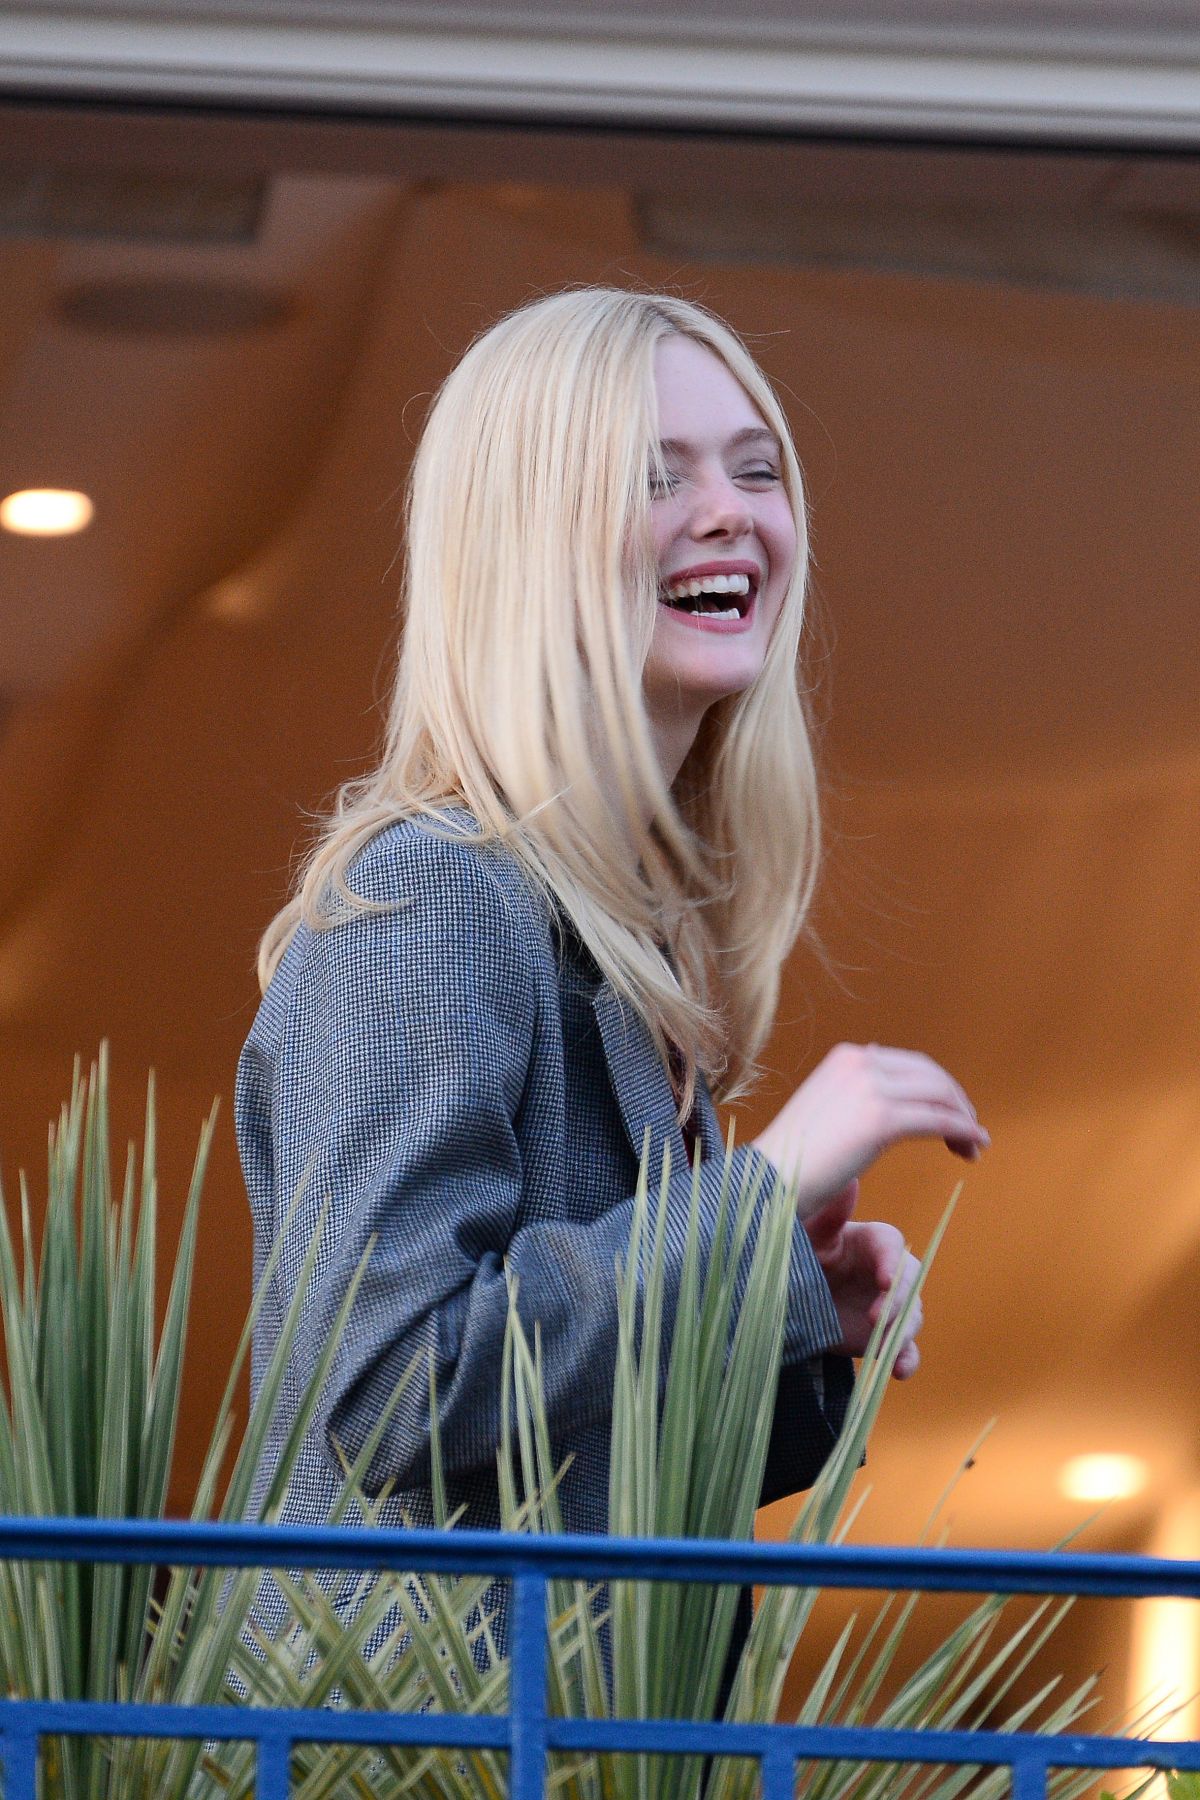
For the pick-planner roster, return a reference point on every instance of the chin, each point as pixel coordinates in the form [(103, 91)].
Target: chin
[(695, 684)]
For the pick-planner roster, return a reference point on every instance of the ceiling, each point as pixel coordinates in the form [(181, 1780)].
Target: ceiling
[(1003, 476)]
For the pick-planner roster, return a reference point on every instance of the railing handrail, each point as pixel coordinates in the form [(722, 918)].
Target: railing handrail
[(593, 1558), (712, 1737)]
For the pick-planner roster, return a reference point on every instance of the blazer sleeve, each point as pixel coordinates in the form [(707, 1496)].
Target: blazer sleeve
[(402, 1067), (806, 1425)]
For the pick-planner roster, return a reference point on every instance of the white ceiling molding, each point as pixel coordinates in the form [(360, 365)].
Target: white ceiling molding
[(841, 80)]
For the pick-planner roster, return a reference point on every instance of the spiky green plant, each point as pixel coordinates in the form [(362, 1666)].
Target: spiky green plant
[(689, 1445), (88, 1422), (89, 1427), (92, 1405), (688, 1460)]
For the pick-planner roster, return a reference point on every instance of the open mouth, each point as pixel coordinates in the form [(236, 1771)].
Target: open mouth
[(723, 599)]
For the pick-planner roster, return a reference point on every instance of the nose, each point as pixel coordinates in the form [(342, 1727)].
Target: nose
[(720, 508)]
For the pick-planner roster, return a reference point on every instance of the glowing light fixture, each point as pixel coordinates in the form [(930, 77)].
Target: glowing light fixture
[(1098, 1477), (46, 512), (1165, 1642)]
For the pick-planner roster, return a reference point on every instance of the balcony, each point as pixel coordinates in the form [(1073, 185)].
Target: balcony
[(528, 1732)]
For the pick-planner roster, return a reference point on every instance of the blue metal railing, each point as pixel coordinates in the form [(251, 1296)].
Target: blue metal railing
[(527, 1732)]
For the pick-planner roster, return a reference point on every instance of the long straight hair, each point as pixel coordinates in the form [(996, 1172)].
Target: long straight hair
[(529, 603)]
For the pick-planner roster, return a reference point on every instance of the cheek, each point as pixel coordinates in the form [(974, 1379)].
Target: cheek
[(779, 534), (664, 527)]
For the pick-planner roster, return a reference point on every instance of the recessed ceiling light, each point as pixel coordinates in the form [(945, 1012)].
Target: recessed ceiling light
[(1103, 1477), (46, 512)]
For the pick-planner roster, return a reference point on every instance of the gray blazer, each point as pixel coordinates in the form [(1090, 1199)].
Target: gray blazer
[(453, 1074)]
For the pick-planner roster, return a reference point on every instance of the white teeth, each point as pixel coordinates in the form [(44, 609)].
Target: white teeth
[(708, 584), (732, 613)]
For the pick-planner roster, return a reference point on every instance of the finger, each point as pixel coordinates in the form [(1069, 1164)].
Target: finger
[(917, 1078), (880, 1253), (896, 1298), (960, 1116), (922, 1118), (914, 1066), (909, 1355), (891, 1305)]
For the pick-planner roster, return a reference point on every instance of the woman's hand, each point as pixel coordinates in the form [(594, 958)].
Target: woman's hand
[(868, 1269), (857, 1103)]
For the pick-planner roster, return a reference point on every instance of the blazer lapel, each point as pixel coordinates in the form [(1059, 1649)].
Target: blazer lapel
[(639, 1081), (712, 1138)]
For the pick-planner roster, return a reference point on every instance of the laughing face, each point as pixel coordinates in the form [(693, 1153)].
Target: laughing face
[(724, 539)]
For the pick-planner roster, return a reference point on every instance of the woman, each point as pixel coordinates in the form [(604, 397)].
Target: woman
[(552, 920)]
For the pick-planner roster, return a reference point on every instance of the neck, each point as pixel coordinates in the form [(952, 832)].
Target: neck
[(674, 732)]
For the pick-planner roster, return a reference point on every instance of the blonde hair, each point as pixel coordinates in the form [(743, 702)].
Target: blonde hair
[(529, 604)]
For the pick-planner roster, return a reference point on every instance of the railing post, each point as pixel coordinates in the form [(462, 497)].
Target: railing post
[(1029, 1777), (778, 1773), (272, 1768), (19, 1751), (527, 1689)]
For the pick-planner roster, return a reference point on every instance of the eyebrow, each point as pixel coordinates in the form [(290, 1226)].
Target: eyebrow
[(748, 435)]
